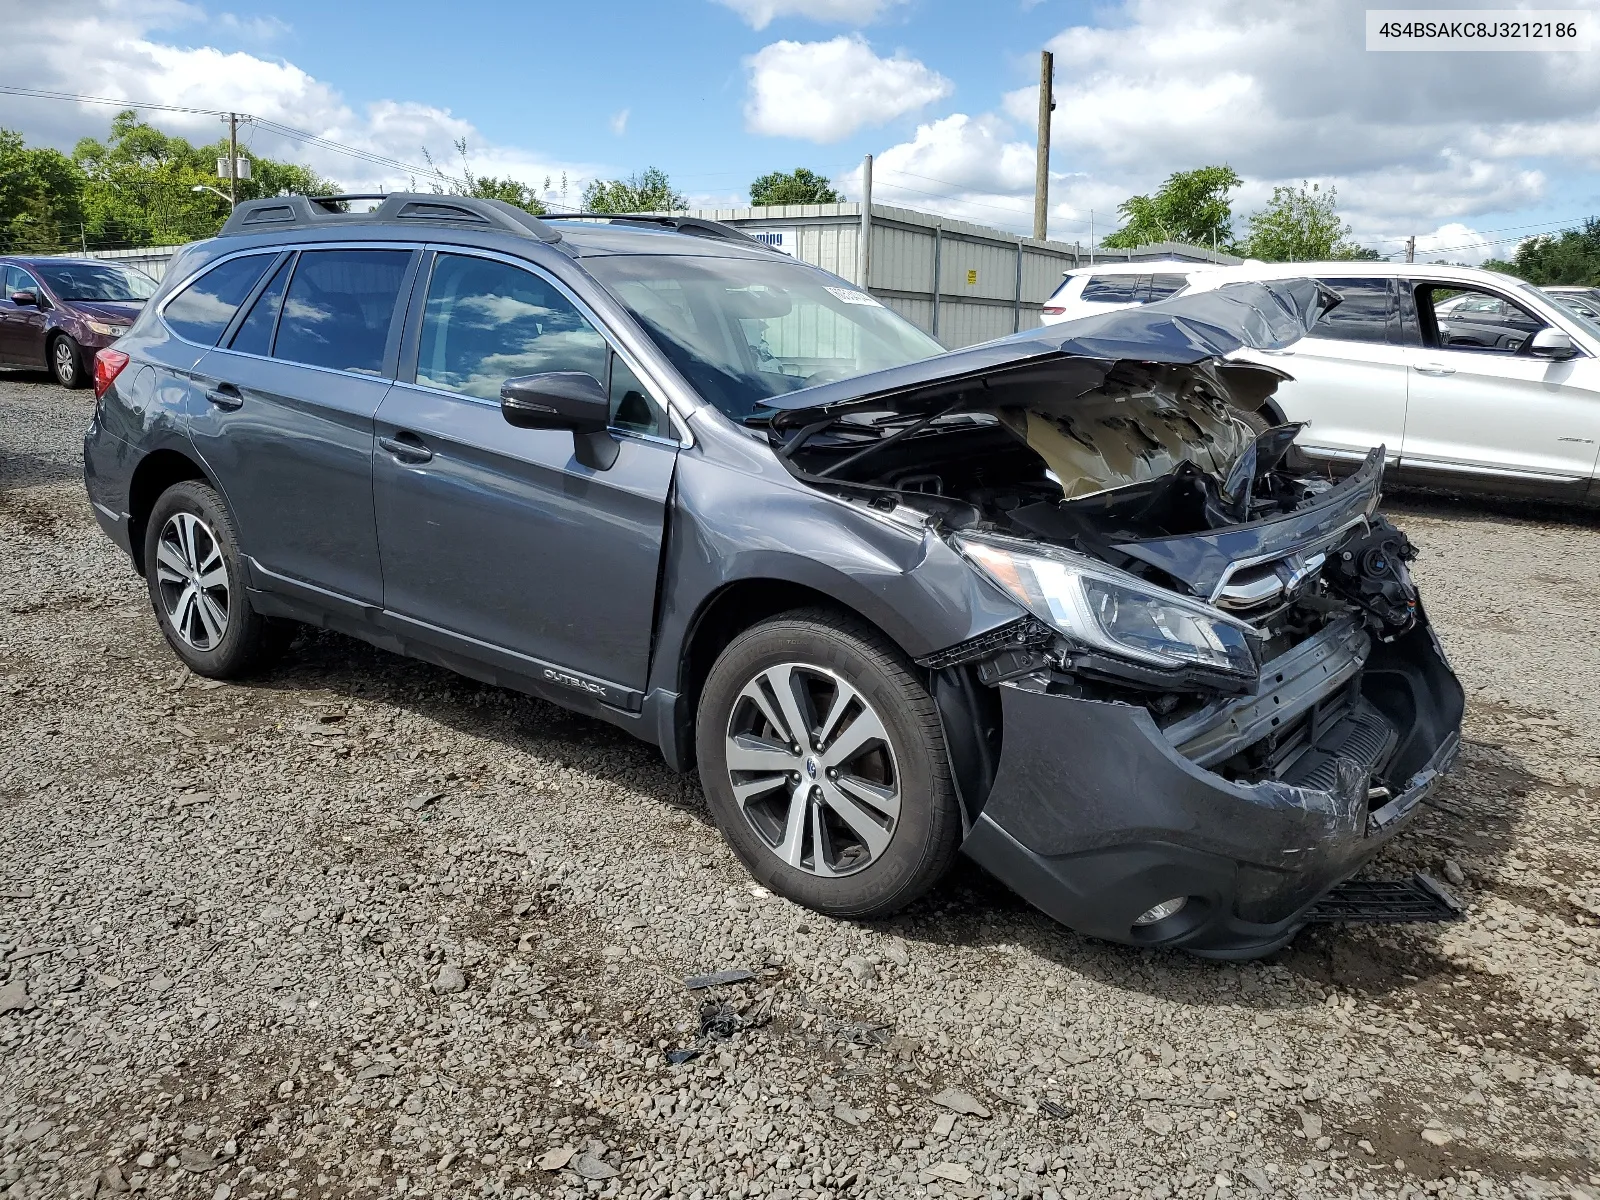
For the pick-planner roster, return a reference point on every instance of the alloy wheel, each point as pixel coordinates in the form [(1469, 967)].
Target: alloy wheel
[(812, 769), (65, 361), (193, 580)]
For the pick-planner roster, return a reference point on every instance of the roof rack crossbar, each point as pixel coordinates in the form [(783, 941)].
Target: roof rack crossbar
[(394, 208), (693, 226)]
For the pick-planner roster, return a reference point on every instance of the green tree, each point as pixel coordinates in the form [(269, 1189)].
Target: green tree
[(139, 185), (799, 186), (1300, 225), (1569, 257), (484, 187), (1350, 252), (1191, 206), (646, 191), (40, 192)]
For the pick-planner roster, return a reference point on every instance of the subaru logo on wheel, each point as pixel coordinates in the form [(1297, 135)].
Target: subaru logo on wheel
[(811, 767)]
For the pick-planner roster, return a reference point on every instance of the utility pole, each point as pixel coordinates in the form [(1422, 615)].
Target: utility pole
[(1411, 248), (1091, 237), (864, 253), (1041, 169), (233, 160)]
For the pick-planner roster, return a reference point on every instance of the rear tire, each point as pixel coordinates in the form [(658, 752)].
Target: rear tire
[(854, 814), (196, 577), (66, 362)]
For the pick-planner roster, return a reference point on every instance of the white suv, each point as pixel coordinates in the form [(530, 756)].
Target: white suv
[(1106, 287), (1473, 380)]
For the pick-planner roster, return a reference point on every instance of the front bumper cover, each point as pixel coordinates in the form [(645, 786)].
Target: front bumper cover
[(1095, 817)]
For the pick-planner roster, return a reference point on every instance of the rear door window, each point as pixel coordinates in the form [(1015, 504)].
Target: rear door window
[(487, 322), (1111, 289), (202, 310), (1366, 313), (339, 307)]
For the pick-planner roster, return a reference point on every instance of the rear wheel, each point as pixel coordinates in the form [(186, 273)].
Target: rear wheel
[(66, 362), (824, 764), (196, 580)]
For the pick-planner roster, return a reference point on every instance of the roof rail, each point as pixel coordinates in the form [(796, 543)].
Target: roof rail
[(693, 226), (396, 208)]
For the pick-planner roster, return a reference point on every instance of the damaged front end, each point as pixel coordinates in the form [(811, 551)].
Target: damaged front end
[(1226, 695)]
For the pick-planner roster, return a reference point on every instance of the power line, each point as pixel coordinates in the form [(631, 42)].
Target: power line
[(288, 131), (43, 94)]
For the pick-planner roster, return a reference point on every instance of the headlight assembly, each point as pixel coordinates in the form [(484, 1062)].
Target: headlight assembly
[(1111, 611), (105, 330)]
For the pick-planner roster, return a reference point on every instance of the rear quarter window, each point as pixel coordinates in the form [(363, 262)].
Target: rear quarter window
[(1162, 286), (202, 310)]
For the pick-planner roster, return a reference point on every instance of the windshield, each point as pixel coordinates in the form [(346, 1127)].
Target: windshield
[(742, 331), (95, 281)]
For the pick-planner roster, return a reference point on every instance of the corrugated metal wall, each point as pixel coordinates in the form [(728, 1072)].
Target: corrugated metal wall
[(152, 260), (983, 290)]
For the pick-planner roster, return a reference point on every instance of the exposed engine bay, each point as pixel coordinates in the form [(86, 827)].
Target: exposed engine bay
[(1162, 475), (1154, 456)]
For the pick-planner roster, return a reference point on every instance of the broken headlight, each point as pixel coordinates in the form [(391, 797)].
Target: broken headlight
[(1112, 611)]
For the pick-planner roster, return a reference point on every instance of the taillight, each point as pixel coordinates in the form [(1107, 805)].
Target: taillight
[(108, 364), (1052, 311)]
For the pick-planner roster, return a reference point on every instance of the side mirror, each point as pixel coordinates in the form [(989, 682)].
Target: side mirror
[(1553, 343), (571, 400), (28, 299)]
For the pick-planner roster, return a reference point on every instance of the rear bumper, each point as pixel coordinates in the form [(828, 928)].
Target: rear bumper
[(105, 479), (1095, 817)]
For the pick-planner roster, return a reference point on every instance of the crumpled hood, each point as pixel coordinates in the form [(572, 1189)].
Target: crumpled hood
[(1074, 358)]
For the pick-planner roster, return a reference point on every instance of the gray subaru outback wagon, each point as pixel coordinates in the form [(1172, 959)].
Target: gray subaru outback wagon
[(1066, 602)]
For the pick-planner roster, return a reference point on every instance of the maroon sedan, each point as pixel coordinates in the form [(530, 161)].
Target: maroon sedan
[(56, 312)]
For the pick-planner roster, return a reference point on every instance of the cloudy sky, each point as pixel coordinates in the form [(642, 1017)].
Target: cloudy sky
[(1467, 151)]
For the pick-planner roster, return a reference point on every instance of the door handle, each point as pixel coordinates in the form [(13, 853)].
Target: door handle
[(1433, 369), (225, 396), (407, 448)]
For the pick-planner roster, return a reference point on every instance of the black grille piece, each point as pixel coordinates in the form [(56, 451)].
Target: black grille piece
[(1360, 733), (1028, 631), (1387, 902)]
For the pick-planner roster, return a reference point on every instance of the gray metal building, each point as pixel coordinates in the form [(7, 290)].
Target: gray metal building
[(989, 282)]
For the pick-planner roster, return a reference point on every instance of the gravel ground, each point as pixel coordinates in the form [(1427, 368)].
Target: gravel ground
[(363, 928)]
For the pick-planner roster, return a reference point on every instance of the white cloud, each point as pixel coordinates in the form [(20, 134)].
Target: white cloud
[(252, 29), (619, 122), (825, 91), (1281, 92), (758, 14), (1458, 243), (124, 49)]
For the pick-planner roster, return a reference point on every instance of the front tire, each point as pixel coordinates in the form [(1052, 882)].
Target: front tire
[(824, 764), (196, 579), (66, 362)]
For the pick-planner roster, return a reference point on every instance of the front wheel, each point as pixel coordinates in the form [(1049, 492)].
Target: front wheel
[(196, 579), (66, 362), (824, 764)]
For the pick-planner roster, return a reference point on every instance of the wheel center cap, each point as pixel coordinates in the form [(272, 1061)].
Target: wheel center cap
[(813, 768)]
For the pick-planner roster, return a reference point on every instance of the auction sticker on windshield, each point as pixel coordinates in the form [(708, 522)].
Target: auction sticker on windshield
[(1479, 29), (851, 296)]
